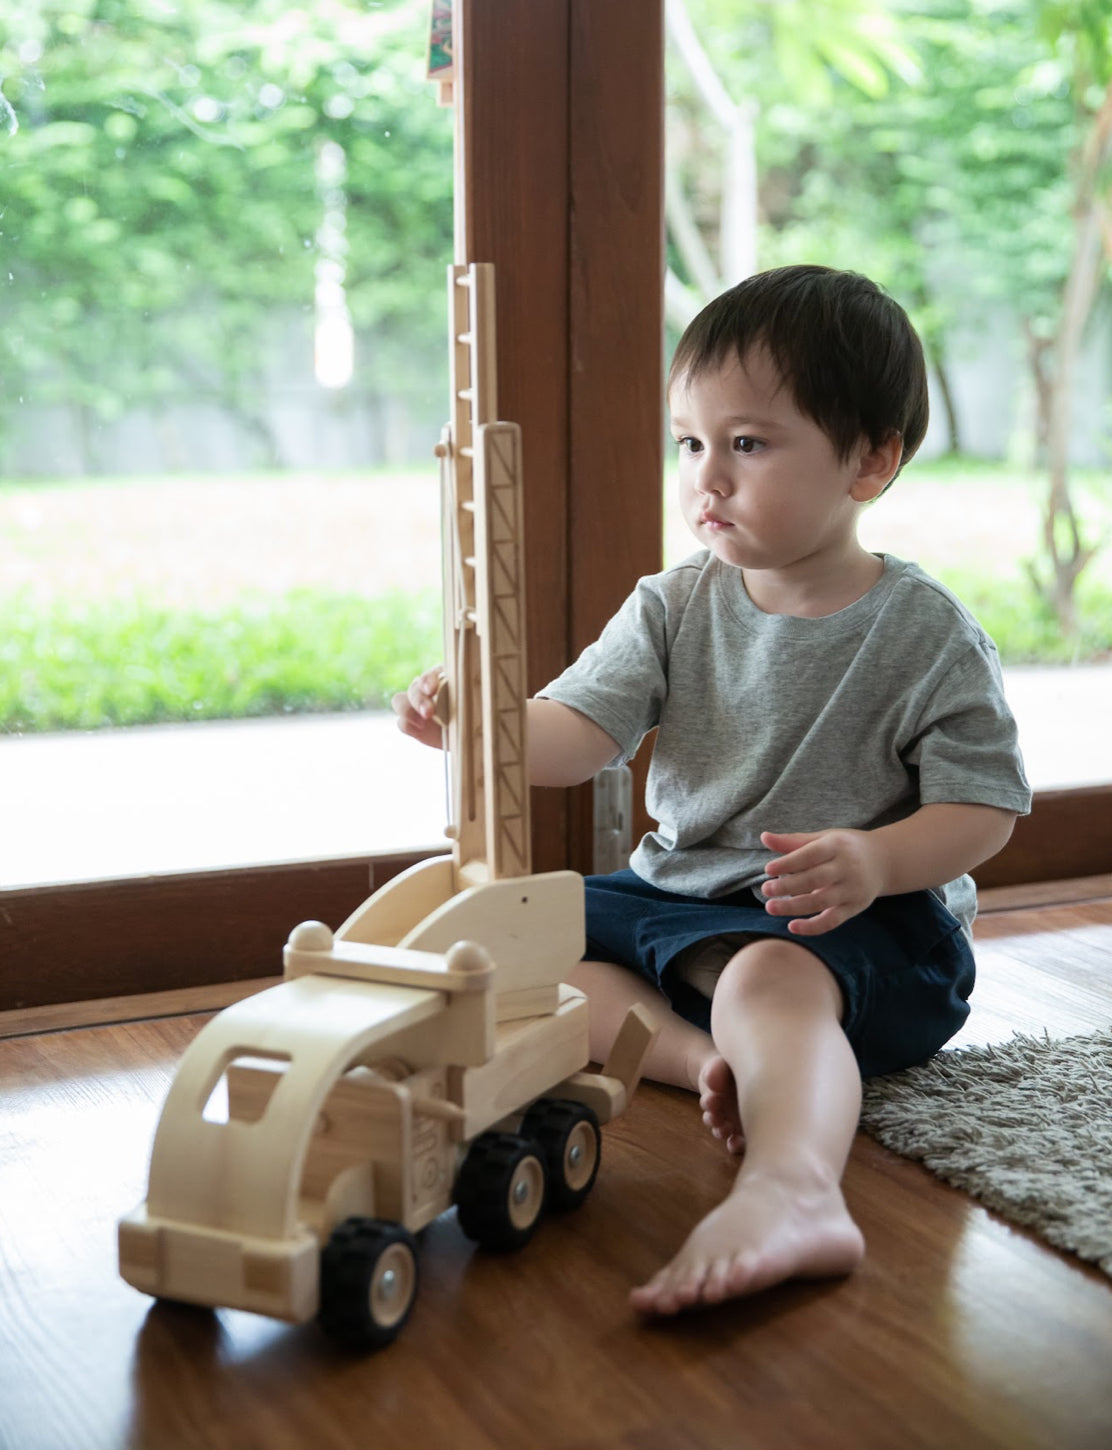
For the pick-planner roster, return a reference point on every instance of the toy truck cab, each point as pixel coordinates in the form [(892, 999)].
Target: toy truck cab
[(312, 1130)]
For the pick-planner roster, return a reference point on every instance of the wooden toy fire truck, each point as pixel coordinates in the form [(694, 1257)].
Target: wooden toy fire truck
[(427, 1053)]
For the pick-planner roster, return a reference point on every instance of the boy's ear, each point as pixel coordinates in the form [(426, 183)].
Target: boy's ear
[(876, 468)]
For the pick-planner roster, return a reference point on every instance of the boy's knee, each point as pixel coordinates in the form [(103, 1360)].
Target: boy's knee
[(773, 972)]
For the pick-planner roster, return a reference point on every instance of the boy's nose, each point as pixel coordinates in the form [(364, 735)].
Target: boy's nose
[(715, 477)]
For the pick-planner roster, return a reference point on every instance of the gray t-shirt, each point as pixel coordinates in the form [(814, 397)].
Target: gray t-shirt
[(769, 722)]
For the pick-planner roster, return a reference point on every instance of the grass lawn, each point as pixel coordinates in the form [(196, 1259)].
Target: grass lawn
[(127, 601)]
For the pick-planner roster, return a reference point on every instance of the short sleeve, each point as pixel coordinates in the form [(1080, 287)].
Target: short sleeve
[(621, 681), (966, 749)]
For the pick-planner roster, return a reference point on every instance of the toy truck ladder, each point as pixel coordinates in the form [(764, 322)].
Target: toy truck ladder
[(484, 600)]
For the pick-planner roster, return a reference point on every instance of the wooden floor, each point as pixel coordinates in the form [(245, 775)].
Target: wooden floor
[(958, 1331)]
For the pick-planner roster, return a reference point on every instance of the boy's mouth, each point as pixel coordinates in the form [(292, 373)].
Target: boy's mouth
[(711, 521)]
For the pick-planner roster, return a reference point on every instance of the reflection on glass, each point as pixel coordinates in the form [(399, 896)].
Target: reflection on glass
[(223, 234)]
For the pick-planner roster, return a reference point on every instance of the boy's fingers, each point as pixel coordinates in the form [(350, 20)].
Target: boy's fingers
[(801, 878), (806, 858), (420, 699), (816, 925), (402, 707), (787, 840), (424, 690)]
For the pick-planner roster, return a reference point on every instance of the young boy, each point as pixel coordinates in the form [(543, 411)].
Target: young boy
[(833, 754)]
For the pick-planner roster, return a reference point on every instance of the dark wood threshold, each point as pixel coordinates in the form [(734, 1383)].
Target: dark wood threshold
[(1044, 893), (141, 1007), (111, 939), (1068, 835)]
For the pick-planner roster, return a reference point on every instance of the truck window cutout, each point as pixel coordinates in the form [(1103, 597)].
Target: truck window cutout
[(244, 1088)]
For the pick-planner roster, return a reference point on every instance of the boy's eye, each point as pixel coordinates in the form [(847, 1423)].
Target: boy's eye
[(743, 443)]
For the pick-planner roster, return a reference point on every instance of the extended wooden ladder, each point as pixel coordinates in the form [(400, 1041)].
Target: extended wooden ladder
[(484, 599)]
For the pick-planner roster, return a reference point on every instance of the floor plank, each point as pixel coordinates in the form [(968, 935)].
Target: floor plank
[(102, 1011), (958, 1331)]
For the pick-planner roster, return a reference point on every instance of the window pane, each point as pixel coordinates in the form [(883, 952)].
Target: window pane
[(224, 235), (942, 151)]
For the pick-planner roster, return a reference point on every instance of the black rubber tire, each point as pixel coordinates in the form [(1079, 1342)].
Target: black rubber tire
[(569, 1138), (500, 1191), (368, 1282)]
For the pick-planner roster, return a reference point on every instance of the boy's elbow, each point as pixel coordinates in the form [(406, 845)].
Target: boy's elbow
[(1007, 826), (1001, 824)]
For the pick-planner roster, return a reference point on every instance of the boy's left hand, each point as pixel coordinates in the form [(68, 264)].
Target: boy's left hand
[(821, 878)]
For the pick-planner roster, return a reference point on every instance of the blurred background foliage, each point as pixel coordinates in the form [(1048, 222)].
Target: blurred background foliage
[(174, 177), (161, 196)]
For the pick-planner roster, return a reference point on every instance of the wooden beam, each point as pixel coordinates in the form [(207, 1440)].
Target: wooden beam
[(95, 939), (1067, 834), (616, 421), (563, 145), (512, 66)]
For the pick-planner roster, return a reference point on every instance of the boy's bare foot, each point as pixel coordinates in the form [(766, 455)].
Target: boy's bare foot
[(764, 1233), (718, 1100)]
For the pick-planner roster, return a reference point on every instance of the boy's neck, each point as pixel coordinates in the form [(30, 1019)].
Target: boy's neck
[(808, 591)]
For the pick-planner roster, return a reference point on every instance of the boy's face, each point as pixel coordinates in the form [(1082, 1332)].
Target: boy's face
[(761, 485)]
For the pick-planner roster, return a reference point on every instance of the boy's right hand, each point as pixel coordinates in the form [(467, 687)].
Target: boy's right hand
[(415, 709)]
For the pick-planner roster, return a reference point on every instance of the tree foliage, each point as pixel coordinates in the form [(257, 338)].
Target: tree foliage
[(963, 162), (160, 197)]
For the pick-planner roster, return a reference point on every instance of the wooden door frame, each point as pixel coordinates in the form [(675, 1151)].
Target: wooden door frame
[(563, 136)]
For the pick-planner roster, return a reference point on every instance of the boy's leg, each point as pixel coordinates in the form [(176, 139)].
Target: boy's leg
[(776, 1020), (681, 1051)]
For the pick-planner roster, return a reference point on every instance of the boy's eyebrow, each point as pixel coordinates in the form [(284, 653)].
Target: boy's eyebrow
[(738, 420)]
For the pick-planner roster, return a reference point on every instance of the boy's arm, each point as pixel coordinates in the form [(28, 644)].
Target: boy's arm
[(565, 747), (823, 879)]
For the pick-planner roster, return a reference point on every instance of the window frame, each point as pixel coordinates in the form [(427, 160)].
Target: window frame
[(562, 145)]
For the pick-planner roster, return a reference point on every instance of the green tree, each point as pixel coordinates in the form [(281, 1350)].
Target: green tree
[(926, 185), (964, 164), (160, 197), (984, 182), (1080, 32), (736, 67)]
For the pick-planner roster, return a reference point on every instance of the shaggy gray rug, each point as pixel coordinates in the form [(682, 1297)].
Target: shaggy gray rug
[(1025, 1126)]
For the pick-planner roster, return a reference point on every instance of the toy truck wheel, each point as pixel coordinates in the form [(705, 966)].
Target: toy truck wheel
[(568, 1136), (500, 1191), (368, 1282)]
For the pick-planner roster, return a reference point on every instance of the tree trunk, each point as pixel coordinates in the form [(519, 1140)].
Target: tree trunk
[(946, 393), (1039, 350), (1066, 549), (737, 241)]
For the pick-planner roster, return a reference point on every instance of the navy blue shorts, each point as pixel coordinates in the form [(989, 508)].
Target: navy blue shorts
[(904, 965)]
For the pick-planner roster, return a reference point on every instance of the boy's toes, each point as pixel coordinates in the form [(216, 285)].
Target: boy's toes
[(716, 1077), (718, 1284), (669, 1291)]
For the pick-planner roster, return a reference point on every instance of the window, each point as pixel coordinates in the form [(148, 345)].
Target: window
[(225, 231), (950, 156)]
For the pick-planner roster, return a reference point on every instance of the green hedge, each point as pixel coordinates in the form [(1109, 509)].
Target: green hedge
[(72, 666), (1024, 626)]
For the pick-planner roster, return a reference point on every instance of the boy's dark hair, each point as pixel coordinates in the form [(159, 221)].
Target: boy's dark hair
[(846, 350)]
